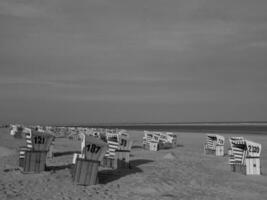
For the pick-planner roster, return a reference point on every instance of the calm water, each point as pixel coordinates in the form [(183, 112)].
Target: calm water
[(225, 128)]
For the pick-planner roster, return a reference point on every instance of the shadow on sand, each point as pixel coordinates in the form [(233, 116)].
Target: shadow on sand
[(137, 147), (59, 167), (57, 154), (106, 176)]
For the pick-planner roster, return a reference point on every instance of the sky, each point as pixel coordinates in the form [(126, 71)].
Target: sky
[(90, 61)]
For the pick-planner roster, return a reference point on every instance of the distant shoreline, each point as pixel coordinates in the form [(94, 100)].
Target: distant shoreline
[(104, 124), (231, 128), (241, 128), (202, 127), (224, 123)]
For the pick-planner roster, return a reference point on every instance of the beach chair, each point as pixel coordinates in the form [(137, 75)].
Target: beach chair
[(17, 131), (32, 157), (119, 148), (147, 139), (172, 138), (165, 141), (150, 141), (112, 140), (155, 141), (124, 149), (87, 163), (245, 157), (214, 145)]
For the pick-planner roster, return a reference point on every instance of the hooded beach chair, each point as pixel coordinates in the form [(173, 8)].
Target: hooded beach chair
[(32, 158), (245, 156), (86, 165), (214, 144)]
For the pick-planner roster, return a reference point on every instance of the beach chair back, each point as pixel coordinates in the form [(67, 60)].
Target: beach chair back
[(113, 144), (124, 141), (252, 159), (220, 140), (148, 136), (94, 149), (41, 141), (253, 149), (86, 169)]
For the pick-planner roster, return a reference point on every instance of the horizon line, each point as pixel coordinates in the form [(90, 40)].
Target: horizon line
[(155, 123)]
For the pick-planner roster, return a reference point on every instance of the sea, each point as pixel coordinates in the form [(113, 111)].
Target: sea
[(244, 128)]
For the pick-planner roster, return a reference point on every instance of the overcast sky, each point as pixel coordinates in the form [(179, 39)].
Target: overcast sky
[(82, 61)]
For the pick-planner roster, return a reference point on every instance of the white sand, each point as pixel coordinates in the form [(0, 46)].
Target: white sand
[(5, 151), (180, 173)]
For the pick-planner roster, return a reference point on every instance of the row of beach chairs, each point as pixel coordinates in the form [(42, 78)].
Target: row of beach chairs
[(244, 155), (111, 151), (117, 155), (155, 141), (110, 148)]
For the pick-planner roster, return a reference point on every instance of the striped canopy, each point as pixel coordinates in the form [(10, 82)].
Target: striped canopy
[(113, 143), (212, 140), (164, 137), (117, 140), (242, 148), (238, 150)]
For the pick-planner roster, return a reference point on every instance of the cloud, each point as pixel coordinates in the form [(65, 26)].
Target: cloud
[(186, 52)]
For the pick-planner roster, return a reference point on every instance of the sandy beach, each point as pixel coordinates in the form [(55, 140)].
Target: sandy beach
[(197, 66), (180, 173)]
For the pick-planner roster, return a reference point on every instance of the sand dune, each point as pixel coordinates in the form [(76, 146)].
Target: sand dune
[(180, 173)]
